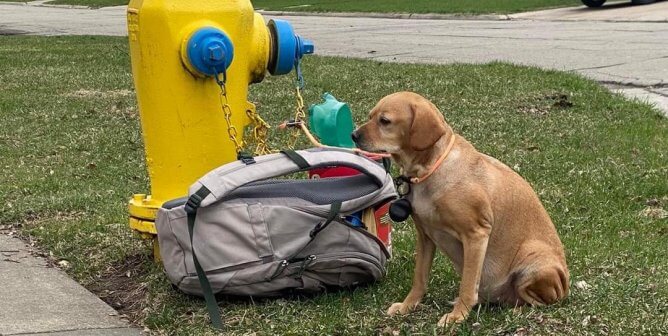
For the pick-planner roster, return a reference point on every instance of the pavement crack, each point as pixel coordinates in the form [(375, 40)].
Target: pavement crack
[(599, 67), (657, 92)]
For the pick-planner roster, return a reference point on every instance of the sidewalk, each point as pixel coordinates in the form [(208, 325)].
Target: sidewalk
[(628, 57), (38, 299)]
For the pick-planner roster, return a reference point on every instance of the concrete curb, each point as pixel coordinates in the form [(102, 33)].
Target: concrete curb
[(482, 17), (39, 299)]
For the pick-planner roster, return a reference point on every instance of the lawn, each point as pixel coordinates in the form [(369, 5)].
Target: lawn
[(71, 153), (90, 3), (395, 6)]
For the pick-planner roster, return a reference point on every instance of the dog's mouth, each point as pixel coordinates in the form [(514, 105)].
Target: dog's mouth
[(363, 146)]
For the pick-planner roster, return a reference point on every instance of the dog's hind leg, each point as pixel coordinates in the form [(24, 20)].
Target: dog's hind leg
[(541, 279)]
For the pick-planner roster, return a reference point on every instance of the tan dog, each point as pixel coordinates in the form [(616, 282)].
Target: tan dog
[(479, 212)]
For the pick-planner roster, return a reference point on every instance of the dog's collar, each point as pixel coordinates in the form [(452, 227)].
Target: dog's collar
[(416, 180)]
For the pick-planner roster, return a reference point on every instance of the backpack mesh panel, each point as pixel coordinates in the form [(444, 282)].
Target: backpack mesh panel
[(318, 191)]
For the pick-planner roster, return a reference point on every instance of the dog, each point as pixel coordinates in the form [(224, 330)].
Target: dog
[(484, 216)]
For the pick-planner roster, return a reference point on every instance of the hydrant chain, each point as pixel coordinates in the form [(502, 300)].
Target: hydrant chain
[(227, 112)]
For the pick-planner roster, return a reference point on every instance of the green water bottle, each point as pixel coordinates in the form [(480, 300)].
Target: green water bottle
[(332, 122)]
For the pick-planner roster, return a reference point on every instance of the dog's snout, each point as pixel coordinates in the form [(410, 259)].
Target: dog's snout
[(356, 136)]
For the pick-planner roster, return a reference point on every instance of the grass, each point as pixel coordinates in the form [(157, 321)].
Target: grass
[(413, 6), (72, 154), (396, 6), (90, 3)]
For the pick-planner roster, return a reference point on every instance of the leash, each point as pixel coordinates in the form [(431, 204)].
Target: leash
[(301, 125)]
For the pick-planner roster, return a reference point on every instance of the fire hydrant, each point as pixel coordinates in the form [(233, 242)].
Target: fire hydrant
[(181, 51)]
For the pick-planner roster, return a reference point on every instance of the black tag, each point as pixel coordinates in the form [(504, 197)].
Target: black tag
[(245, 158)]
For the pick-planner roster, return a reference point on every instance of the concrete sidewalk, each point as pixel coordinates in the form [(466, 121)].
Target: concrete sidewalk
[(629, 57), (37, 299)]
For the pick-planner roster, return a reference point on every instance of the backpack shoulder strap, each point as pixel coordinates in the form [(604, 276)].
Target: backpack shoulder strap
[(209, 297)]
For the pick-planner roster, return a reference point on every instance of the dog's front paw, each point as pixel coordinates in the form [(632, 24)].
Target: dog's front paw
[(400, 308), (450, 318)]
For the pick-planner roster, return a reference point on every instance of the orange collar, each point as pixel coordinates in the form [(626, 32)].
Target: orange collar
[(416, 180)]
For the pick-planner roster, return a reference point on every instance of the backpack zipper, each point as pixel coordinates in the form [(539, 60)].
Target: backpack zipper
[(279, 270), (357, 255)]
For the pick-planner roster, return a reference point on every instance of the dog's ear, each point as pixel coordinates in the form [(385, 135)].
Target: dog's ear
[(426, 127)]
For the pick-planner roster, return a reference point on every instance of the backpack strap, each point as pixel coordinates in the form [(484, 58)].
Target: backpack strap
[(334, 210), (225, 179), (296, 158), (191, 207)]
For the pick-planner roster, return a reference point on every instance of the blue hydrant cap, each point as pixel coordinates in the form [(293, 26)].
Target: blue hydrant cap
[(304, 47), (287, 47), (210, 51)]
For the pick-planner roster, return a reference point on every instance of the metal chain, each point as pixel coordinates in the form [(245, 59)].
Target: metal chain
[(260, 130), (260, 127), (300, 115), (227, 112)]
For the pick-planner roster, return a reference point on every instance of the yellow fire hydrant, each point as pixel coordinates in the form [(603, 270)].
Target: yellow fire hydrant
[(192, 62)]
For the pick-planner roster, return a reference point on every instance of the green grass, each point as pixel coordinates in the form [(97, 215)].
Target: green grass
[(71, 155), (90, 3), (413, 6)]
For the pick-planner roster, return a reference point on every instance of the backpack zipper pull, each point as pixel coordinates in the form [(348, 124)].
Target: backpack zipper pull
[(305, 264), (279, 270)]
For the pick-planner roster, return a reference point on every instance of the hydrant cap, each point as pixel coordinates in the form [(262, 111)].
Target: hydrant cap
[(286, 47), (304, 46), (210, 51), (283, 45)]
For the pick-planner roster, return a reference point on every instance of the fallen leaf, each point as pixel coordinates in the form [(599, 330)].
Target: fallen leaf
[(586, 321), (653, 212), (582, 285)]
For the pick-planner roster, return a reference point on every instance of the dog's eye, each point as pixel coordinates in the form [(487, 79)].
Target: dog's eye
[(384, 121)]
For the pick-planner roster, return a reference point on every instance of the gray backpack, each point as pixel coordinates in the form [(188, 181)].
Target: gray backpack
[(242, 232)]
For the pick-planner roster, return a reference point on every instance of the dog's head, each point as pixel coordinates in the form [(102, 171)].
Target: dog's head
[(401, 122)]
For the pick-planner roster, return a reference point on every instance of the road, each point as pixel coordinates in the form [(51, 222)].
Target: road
[(624, 47)]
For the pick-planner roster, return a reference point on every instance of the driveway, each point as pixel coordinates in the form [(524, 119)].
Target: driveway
[(625, 52)]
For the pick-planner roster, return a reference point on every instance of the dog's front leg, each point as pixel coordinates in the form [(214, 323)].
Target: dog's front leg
[(424, 255), (474, 244)]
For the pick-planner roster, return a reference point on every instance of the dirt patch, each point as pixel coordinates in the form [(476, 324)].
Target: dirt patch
[(83, 93), (655, 208), (546, 104), (9, 32), (120, 287)]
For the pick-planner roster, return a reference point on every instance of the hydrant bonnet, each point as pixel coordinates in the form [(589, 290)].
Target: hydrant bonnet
[(210, 51)]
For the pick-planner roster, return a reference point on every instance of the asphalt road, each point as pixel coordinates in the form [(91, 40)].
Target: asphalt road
[(622, 46)]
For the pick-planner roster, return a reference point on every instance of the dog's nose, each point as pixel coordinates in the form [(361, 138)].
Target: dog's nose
[(355, 136)]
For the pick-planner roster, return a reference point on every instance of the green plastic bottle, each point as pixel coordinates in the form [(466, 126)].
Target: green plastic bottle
[(332, 122)]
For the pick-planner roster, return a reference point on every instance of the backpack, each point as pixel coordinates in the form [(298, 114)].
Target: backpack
[(241, 231)]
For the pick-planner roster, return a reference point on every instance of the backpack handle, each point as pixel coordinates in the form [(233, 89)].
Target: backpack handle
[(221, 181)]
